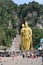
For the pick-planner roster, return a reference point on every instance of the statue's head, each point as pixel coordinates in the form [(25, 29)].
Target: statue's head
[(26, 24), (22, 25)]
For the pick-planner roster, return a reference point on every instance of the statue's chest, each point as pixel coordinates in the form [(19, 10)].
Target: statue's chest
[(26, 31)]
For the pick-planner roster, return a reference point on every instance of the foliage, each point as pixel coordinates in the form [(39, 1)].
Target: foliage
[(7, 10), (37, 35), (26, 12)]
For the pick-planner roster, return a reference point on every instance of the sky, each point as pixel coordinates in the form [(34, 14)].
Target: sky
[(27, 1)]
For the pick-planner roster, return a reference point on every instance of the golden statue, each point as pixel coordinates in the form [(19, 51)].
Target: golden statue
[(22, 34), (26, 36)]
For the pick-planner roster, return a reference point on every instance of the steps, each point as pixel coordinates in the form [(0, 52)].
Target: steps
[(16, 42)]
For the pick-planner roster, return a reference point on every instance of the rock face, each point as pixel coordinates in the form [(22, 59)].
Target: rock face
[(16, 42), (40, 22)]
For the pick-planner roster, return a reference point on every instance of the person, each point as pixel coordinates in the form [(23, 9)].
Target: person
[(42, 56), (23, 54), (28, 54), (32, 55)]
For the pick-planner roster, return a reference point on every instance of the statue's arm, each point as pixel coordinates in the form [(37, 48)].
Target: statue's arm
[(30, 32), (21, 36)]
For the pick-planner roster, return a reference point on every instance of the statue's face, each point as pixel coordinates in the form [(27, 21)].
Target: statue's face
[(26, 25)]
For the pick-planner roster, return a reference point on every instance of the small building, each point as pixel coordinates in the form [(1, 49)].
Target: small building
[(41, 43)]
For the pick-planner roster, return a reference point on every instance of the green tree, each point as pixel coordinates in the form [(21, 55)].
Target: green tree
[(37, 35), (7, 10)]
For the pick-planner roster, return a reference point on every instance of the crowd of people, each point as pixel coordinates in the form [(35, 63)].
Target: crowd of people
[(35, 54)]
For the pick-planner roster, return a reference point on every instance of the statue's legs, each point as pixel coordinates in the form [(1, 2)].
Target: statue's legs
[(23, 42), (31, 43), (27, 44)]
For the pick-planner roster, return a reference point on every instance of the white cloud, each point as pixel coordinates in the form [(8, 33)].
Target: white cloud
[(26, 1), (40, 1)]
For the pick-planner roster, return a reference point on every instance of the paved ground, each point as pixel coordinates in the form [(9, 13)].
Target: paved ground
[(20, 61)]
